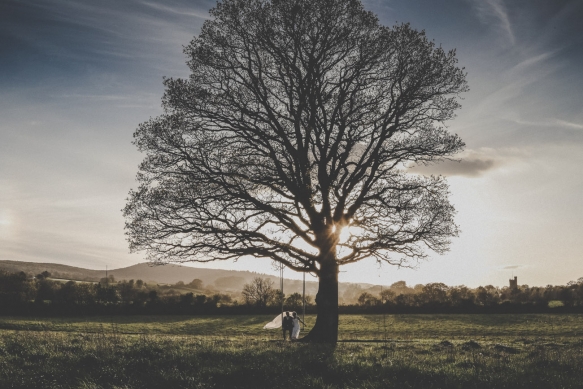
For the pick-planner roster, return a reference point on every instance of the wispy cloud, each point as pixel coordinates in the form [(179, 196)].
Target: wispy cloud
[(115, 30), (507, 94), (495, 11), (564, 123), (471, 163), (177, 10), (550, 123), (532, 61)]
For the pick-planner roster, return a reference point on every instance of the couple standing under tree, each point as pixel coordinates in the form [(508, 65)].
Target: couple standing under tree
[(291, 324)]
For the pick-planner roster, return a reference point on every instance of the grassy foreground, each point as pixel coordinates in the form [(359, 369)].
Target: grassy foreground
[(416, 351)]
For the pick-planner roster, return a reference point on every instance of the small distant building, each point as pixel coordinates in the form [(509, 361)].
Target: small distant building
[(513, 283)]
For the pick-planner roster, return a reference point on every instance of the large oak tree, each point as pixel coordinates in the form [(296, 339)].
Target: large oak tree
[(296, 126)]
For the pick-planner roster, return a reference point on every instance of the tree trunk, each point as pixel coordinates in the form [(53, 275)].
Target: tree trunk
[(326, 328)]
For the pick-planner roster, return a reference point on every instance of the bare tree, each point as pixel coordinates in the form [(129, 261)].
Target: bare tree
[(290, 141), (259, 292)]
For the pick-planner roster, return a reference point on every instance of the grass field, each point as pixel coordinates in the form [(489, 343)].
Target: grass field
[(415, 351)]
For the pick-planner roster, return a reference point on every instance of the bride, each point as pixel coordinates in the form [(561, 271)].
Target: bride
[(296, 329)]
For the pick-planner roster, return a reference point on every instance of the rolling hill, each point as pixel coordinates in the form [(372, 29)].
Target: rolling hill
[(214, 279)]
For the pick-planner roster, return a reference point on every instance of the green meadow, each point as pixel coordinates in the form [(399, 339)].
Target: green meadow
[(352, 327), (375, 351)]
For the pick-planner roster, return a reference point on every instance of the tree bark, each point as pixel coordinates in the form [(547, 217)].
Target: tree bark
[(326, 328)]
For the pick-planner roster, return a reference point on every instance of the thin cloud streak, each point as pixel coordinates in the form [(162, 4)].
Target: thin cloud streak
[(550, 123), (514, 81), (532, 61), (567, 124), (180, 11), (471, 164), (495, 9), (477, 163)]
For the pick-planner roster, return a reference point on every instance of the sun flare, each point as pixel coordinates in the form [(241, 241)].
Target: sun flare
[(345, 234)]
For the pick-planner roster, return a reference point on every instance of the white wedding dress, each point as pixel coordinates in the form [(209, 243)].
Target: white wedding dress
[(296, 329), (275, 323)]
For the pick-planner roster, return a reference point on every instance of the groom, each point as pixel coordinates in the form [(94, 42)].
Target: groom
[(287, 324)]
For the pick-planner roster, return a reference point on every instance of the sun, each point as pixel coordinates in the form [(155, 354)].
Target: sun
[(345, 235)]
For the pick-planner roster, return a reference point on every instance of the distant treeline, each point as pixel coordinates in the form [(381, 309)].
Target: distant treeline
[(440, 298), (23, 294)]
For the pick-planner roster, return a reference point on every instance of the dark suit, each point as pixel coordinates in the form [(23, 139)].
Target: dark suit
[(287, 325)]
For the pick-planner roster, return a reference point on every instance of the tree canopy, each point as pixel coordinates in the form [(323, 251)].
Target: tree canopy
[(291, 140)]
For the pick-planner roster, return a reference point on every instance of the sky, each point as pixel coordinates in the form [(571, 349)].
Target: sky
[(77, 77)]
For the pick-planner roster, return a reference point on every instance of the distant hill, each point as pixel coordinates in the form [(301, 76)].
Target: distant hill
[(56, 270), (218, 279)]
